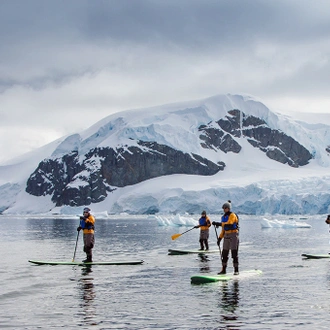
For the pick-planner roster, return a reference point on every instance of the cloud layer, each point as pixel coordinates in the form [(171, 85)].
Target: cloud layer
[(66, 64)]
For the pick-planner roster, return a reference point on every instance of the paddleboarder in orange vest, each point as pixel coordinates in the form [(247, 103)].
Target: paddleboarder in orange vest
[(204, 225), (87, 222)]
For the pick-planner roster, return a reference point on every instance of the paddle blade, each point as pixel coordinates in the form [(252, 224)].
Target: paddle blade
[(175, 236)]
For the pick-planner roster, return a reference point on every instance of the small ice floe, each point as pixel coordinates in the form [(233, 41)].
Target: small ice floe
[(176, 220), (274, 223)]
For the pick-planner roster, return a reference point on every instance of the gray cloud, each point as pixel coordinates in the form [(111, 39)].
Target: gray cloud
[(66, 64)]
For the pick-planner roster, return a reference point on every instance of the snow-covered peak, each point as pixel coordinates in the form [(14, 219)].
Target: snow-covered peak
[(248, 177)]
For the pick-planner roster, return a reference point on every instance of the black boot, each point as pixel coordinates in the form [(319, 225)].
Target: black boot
[(236, 272), (223, 270), (88, 259)]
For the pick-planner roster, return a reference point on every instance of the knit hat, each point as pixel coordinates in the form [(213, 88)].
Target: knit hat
[(87, 209), (203, 213), (227, 204)]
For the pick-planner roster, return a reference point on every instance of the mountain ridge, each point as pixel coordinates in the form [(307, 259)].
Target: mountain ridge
[(213, 137)]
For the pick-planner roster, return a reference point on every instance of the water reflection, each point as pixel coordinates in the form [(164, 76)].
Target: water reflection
[(87, 295), (229, 302), (203, 264)]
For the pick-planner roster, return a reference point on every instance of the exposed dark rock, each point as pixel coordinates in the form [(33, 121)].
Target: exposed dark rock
[(216, 139), (277, 145), (73, 182), (232, 123), (52, 175)]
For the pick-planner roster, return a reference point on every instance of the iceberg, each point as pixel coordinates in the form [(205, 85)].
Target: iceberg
[(175, 220), (274, 223)]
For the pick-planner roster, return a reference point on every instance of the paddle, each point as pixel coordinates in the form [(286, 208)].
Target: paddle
[(216, 234), (175, 236), (75, 248)]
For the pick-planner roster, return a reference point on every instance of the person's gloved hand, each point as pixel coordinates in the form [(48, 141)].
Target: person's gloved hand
[(82, 218), (196, 227), (79, 228)]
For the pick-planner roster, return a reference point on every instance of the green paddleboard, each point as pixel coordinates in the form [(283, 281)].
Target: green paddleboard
[(316, 256), (202, 279), (80, 263), (176, 252)]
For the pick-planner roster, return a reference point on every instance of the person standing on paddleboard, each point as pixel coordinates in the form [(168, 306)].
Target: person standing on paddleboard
[(229, 232), (204, 225), (87, 222)]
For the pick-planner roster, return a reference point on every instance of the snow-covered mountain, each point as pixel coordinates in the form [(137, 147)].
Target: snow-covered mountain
[(178, 158)]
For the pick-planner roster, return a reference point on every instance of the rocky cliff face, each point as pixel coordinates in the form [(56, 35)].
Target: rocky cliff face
[(277, 145), (75, 179), (76, 182)]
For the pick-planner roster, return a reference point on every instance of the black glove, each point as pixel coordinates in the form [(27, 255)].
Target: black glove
[(78, 228), (219, 240), (214, 223), (82, 218), (196, 227)]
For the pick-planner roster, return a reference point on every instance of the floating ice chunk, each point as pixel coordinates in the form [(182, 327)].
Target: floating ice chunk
[(176, 220), (274, 223)]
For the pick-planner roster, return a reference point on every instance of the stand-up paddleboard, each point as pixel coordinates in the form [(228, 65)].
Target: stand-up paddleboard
[(202, 279), (172, 251), (77, 263), (316, 256)]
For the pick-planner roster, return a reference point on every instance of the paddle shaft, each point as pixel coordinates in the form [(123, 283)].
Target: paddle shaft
[(175, 236), (216, 234), (75, 248), (187, 230)]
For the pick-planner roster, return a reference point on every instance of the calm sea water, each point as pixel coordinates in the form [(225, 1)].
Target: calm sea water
[(291, 292)]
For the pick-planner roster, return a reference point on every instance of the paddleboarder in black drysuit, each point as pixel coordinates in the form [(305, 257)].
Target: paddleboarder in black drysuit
[(87, 222), (229, 232)]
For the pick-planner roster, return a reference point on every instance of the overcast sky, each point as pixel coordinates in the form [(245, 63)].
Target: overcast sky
[(64, 65)]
